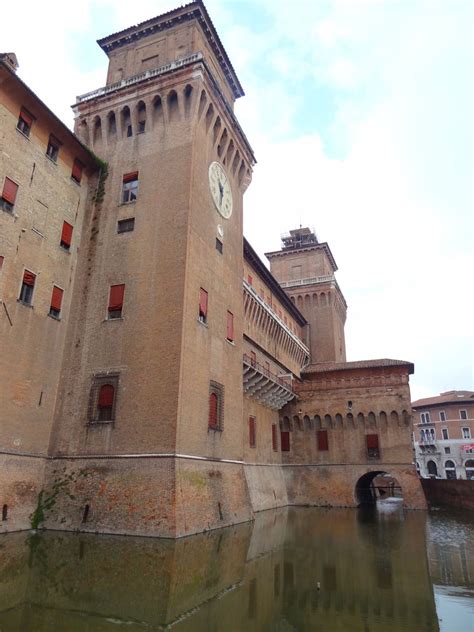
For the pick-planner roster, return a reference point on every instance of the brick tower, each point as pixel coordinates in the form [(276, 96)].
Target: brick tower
[(305, 270), (156, 343)]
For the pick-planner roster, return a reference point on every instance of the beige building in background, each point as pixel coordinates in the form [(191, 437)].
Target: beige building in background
[(444, 435), (171, 383)]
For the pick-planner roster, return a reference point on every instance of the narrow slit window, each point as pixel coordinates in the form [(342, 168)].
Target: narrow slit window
[(56, 302), (27, 287), (130, 187), (230, 327), (10, 190), (252, 432), (66, 236), (116, 296), (203, 303), (274, 438)]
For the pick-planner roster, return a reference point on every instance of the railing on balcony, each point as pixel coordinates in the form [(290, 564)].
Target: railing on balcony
[(148, 74), (257, 312), (309, 281), (272, 390)]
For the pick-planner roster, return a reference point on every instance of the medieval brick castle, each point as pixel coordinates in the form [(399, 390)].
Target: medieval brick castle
[(156, 378)]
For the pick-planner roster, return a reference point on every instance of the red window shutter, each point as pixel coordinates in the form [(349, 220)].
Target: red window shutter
[(77, 170), (26, 116), (230, 326), (213, 410), (203, 303), (54, 141), (372, 441), (129, 177), (56, 298), (106, 396), (285, 440), (274, 437), (249, 280), (252, 432), (66, 234), (29, 278), (9, 191), (116, 297), (322, 436)]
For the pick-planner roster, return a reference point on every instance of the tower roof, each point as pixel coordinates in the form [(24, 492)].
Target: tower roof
[(192, 11)]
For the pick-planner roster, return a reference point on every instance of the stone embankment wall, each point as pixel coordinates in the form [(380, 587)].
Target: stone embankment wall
[(458, 494)]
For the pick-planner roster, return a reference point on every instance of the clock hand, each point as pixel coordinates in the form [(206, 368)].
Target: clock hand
[(221, 191)]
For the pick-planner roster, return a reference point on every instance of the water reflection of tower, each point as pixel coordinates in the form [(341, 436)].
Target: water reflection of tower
[(369, 570)]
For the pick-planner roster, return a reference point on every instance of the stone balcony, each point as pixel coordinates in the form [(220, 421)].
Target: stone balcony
[(261, 384), (328, 278), (258, 313), (143, 76)]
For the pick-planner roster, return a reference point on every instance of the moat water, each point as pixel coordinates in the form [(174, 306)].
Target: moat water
[(327, 570)]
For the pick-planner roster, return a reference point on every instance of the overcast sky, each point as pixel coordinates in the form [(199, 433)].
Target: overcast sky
[(361, 117)]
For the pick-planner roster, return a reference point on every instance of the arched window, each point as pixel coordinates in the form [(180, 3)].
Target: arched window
[(106, 402), (213, 405), (216, 406), (418, 470), (126, 122), (112, 125), (141, 117), (4, 513), (432, 469), (469, 465), (450, 469)]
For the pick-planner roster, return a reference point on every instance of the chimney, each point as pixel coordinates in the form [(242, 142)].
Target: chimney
[(10, 60)]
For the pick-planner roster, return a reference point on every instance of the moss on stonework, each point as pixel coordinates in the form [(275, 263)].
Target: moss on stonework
[(47, 500)]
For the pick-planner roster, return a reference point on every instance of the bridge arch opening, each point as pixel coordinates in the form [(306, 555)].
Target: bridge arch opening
[(377, 486)]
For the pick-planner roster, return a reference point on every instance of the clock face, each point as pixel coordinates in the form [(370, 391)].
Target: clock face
[(220, 189)]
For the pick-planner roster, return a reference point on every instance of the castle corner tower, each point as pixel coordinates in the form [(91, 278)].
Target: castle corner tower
[(305, 269), (156, 341)]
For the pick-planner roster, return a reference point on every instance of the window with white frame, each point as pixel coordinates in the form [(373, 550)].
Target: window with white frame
[(442, 415), (466, 433), (425, 418), (463, 414), (445, 433)]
